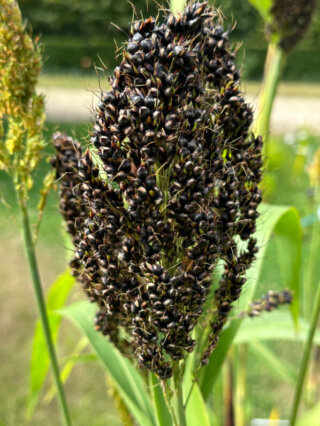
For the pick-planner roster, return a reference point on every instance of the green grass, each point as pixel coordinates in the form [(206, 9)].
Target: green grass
[(91, 81)]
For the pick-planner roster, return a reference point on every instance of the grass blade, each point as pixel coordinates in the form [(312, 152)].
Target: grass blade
[(275, 326), (163, 416), (196, 411), (270, 220), (57, 296), (128, 382)]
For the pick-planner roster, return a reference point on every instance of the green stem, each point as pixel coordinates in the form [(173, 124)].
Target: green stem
[(306, 357), (272, 70), (178, 393), (240, 359), (36, 282), (177, 5), (312, 258)]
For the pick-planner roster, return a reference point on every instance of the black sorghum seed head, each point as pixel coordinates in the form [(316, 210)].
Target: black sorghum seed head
[(291, 19), (269, 301), (176, 188)]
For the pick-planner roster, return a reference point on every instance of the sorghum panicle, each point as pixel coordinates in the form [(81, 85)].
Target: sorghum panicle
[(269, 301), (176, 188), (291, 19)]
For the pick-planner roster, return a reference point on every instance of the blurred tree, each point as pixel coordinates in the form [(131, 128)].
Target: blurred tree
[(80, 29), (86, 18)]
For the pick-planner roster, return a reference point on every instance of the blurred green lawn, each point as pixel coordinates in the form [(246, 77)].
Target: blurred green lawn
[(287, 183), (70, 81)]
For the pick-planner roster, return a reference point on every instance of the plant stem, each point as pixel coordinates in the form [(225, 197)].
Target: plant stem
[(228, 393), (240, 359), (272, 70), (306, 357), (36, 282), (312, 258), (178, 393), (177, 5)]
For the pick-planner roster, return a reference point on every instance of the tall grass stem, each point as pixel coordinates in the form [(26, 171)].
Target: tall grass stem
[(306, 357), (36, 282), (177, 5), (272, 71), (311, 270), (178, 394)]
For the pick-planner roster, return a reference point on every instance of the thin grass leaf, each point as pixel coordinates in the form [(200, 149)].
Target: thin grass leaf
[(288, 233), (57, 296), (163, 415), (276, 365), (128, 382), (196, 410), (269, 221), (311, 417), (276, 326)]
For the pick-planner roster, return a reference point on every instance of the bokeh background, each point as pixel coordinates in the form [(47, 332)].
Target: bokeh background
[(80, 39)]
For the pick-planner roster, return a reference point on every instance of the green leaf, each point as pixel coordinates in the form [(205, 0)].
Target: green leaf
[(128, 382), (274, 326), (196, 410), (276, 365), (270, 220), (263, 7), (58, 294), (288, 238), (311, 417), (163, 416)]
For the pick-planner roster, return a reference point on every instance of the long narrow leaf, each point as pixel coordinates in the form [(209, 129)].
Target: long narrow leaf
[(163, 416), (196, 411), (288, 233), (311, 417), (58, 294), (270, 216), (274, 326), (126, 378)]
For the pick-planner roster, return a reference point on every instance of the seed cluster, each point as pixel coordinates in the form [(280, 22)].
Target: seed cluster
[(173, 186), (291, 19), (269, 301)]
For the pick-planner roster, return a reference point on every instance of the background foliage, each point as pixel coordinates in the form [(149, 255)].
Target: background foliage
[(77, 33)]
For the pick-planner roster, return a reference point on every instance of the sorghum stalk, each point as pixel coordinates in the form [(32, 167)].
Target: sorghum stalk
[(177, 5), (313, 257), (178, 394), (290, 20), (314, 174), (306, 357), (272, 71)]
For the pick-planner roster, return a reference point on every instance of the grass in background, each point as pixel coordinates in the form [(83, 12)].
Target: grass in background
[(91, 81)]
